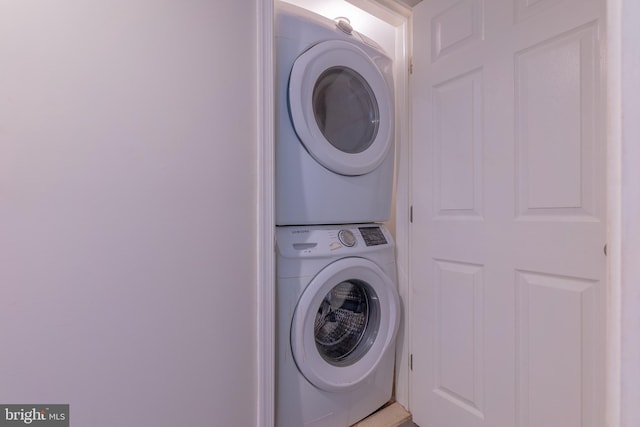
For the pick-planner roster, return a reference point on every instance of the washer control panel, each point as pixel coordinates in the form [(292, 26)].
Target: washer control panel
[(372, 236), (322, 240)]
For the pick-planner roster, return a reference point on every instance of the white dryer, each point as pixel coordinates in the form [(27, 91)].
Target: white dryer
[(335, 122), (338, 313)]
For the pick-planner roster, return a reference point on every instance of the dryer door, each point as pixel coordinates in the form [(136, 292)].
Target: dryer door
[(341, 107), (344, 322)]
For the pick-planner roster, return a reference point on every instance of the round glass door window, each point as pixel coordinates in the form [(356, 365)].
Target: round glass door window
[(341, 107), (346, 110), (347, 322)]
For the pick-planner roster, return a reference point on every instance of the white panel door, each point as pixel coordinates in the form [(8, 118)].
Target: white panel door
[(508, 232)]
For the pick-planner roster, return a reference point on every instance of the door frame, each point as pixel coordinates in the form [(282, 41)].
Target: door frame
[(265, 216), (623, 200), (623, 205)]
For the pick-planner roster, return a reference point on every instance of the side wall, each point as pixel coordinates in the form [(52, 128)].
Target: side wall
[(128, 210)]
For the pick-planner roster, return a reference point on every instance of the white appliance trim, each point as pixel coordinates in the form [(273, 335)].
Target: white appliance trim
[(303, 344), (307, 69)]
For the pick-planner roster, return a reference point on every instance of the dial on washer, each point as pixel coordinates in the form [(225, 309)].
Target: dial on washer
[(347, 238)]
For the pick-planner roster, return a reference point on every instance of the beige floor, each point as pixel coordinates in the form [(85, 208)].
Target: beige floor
[(393, 415)]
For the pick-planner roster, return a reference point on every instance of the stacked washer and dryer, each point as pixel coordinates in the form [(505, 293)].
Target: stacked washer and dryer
[(338, 308)]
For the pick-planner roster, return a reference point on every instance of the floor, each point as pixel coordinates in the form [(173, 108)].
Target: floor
[(392, 415)]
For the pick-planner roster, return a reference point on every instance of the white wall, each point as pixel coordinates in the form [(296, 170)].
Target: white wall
[(127, 210)]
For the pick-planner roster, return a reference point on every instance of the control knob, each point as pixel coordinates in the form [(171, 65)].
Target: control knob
[(347, 238)]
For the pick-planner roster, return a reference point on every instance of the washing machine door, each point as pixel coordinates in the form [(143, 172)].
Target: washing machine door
[(341, 107), (345, 320)]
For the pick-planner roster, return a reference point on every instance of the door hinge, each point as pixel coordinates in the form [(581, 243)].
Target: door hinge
[(605, 249), (411, 65), (411, 362), (411, 214)]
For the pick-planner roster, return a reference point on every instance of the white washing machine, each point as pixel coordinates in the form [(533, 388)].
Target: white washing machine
[(335, 122), (338, 315)]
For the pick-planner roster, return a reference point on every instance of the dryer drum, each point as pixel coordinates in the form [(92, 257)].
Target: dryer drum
[(347, 315), (346, 109)]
